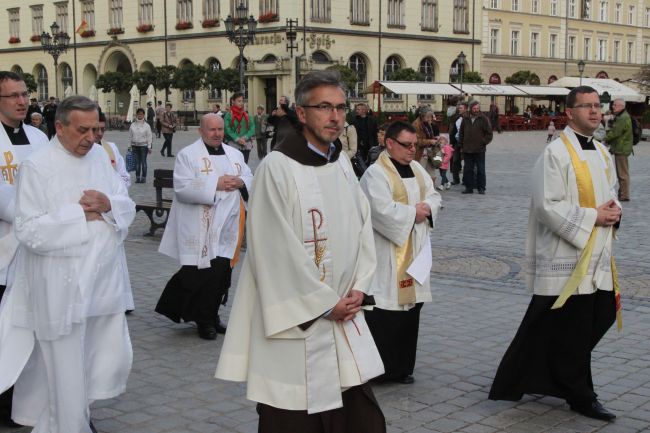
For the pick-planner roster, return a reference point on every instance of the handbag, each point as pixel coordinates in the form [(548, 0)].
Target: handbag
[(129, 160), (359, 165)]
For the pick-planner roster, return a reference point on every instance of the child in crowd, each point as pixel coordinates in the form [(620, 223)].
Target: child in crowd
[(550, 132), (374, 151), (447, 151)]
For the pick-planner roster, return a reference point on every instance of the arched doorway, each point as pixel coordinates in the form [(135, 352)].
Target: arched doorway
[(117, 61), (65, 79), (89, 78)]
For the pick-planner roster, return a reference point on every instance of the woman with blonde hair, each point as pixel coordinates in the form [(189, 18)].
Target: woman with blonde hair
[(427, 132)]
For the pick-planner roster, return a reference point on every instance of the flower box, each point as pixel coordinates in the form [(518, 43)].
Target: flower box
[(144, 28), (35, 38), (206, 24), (268, 17), (115, 31), (87, 33), (184, 25), (14, 40)]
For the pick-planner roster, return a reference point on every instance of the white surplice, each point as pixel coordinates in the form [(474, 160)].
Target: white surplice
[(200, 215), (280, 287), (392, 224), (558, 228), (11, 155)]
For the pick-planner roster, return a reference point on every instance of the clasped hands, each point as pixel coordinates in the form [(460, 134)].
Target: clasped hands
[(347, 307), (229, 183), (608, 214), (422, 211), (94, 203)]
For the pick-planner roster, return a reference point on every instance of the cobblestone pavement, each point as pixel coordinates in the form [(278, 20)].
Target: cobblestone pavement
[(479, 301)]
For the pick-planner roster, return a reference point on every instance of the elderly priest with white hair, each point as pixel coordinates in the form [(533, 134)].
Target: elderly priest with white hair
[(64, 339)]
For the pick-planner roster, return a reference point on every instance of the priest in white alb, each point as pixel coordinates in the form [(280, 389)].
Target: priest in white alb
[(574, 215), (404, 205), (64, 339), (296, 333), (205, 228), (17, 141)]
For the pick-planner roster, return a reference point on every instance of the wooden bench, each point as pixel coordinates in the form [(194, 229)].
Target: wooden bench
[(158, 211)]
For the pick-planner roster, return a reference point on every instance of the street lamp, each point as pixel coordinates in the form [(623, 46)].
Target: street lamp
[(581, 69), (55, 44), (461, 66), (241, 32)]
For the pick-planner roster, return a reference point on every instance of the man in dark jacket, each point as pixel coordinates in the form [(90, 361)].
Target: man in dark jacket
[(151, 116), (475, 135), (456, 159), (49, 112), (366, 127), (33, 108), (619, 139)]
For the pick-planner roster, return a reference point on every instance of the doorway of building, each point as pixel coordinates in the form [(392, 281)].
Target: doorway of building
[(271, 93)]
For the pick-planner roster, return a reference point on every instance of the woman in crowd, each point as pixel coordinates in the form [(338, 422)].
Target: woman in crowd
[(141, 139)]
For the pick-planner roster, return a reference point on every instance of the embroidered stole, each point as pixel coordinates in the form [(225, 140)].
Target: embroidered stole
[(107, 147), (403, 253), (587, 199)]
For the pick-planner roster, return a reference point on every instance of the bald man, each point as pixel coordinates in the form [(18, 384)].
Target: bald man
[(205, 228)]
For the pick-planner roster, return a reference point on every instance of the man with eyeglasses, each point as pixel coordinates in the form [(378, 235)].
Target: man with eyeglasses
[(17, 141), (297, 334), (574, 215), (620, 141), (404, 205)]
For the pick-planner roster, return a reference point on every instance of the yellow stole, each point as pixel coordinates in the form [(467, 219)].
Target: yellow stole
[(587, 199), (107, 147), (403, 253)]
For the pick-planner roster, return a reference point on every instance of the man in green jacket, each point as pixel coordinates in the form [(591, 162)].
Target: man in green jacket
[(239, 127), (619, 139)]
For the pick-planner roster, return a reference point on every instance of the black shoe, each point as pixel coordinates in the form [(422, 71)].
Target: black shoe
[(406, 380), (162, 153), (128, 312), (481, 191), (92, 427), (170, 156), (207, 332), (456, 182), (467, 191), (221, 327), (593, 410)]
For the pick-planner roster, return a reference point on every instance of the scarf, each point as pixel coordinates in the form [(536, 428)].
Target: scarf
[(237, 113)]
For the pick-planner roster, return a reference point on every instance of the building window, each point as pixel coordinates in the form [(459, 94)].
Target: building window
[(213, 66), (494, 41), (321, 11), (66, 76), (572, 47), (514, 42), (184, 11), (572, 9), (395, 13), (430, 15), (534, 44), (391, 66), (587, 47), (586, 10), (146, 12), (630, 15), (269, 7), (235, 3), (617, 13), (37, 19), (554, 8), (647, 17), (61, 10), (359, 12), (42, 83), (494, 4), (88, 13), (552, 45), (646, 53), (630, 52), (617, 51), (534, 6), (602, 12), (515, 5), (358, 65), (14, 22), (426, 68), (602, 50), (115, 15), (461, 16)]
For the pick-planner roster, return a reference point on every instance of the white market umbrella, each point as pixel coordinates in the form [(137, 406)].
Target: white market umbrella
[(151, 95), (67, 91), (92, 93), (135, 97)]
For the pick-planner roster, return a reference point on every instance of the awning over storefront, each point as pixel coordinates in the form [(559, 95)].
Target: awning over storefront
[(602, 85), (413, 88), (490, 90), (543, 90)]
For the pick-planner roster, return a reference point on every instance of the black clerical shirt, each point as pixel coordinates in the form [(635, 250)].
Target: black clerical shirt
[(17, 136), (586, 143)]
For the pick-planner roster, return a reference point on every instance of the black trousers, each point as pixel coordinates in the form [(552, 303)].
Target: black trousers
[(261, 147), (456, 164), (474, 170), (194, 295), (7, 396), (168, 143)]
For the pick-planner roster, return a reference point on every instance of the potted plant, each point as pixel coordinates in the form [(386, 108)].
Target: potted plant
[(14, 40), (268, 17), (209, 23), (87, 33), (115, 31), (35, 38), (183, 25), (144, 28)]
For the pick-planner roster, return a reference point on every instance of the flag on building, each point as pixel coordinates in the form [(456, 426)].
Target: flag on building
[(82, 27)]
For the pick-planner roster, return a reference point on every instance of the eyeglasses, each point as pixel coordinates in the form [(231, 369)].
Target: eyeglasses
[(328, 108), (406, 145), (24, 95), (594, 105)]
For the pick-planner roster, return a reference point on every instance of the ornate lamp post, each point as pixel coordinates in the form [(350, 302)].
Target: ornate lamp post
[(581, 69), (241, 31), (461, 68), (55, 44)]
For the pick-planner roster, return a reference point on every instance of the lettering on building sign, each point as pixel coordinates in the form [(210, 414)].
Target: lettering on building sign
[(322, 41), (268, 39)]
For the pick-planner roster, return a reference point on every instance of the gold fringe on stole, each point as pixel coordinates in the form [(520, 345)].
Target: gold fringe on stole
[(403, 253), (587, 199)]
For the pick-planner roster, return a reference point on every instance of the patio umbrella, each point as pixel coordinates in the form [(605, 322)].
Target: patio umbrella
[(67, 92), (135, 97), (151, 95), (92, 93)]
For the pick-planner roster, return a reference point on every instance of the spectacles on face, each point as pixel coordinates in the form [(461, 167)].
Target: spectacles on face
[(405, 145), (590, 105), (16, 95), (328, 108)]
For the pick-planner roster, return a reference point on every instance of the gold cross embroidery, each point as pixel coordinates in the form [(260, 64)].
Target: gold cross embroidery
[(9, 170), (207, 166), (319, 247)]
